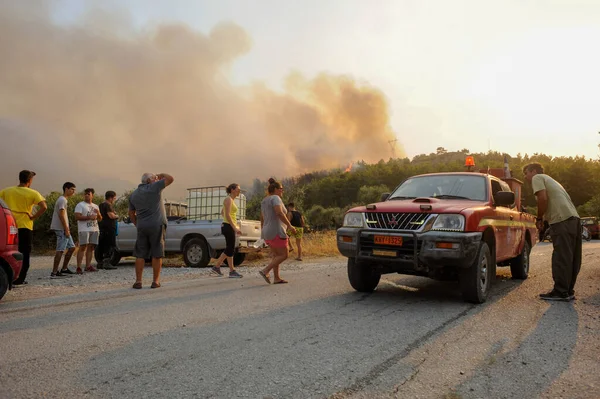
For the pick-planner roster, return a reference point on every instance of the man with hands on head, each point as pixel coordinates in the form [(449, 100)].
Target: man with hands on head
[(147, 213)]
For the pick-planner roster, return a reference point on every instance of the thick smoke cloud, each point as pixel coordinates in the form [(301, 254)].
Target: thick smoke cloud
[(99, 103)]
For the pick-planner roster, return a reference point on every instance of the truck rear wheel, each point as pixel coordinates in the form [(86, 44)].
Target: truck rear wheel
[(362, 277), (195, 253), (519, 266), (115, 256), (475, 281), (238, 258)]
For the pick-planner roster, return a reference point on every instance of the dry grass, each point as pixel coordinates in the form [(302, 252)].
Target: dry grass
[(314, 245)]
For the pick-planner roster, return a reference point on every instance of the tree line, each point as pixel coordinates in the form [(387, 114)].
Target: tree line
[(324, 196)]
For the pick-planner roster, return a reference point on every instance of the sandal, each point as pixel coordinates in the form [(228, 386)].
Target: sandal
[(137, 286), (155, 285), (267, 279), (280, 282)]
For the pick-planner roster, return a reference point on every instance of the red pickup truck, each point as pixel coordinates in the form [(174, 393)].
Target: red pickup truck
[(447, 226), (10, 258)]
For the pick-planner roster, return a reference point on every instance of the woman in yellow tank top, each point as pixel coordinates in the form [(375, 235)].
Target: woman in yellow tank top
[(229, 228)]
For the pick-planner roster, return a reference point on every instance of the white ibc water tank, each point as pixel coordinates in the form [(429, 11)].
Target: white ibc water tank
[(207, 203)]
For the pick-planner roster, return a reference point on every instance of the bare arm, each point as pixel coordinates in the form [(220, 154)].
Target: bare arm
[(167, 178), (80, 216), (262, 220), (42, 207), (133, 217), (279, 211), (542, 203), (62, 216), (112, 215)]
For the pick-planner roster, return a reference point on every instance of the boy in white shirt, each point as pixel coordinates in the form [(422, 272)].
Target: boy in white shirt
[(88, 215)]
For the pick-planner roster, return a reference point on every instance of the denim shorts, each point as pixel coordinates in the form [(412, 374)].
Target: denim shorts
[(62, 241)]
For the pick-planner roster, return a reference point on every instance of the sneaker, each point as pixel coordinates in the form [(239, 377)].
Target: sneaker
[(91, 269), (235, 274), (67, 271), (58, 275), (79, 271), (555, 296), (216, 270), (20, 282)]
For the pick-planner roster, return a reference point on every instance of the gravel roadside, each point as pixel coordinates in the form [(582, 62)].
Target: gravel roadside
[(40, 284)]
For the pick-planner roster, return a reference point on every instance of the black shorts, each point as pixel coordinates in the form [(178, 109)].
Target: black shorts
[(229, 234), (150, 242)]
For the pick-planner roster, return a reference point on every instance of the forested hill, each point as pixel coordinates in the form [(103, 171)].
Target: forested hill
[(324, 196)]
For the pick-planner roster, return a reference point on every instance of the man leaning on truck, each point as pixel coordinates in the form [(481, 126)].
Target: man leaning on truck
[(555, 206), (147, 213)]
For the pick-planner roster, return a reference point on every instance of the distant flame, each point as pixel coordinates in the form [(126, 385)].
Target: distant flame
[(349, 168)]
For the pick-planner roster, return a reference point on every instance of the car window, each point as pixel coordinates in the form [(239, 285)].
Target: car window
[(444, 186)]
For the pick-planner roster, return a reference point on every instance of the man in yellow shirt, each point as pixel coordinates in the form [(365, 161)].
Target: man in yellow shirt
[(21, 199), (555, 207)]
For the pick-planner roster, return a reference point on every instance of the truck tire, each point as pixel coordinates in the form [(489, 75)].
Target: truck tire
[(3, 282), (476, 280), (519, 266), (238, 258), (195, 253), (115, 257), (362, 277)]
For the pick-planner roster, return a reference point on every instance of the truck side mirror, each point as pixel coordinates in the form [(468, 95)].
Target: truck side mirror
[(384, 196), (504, 198)]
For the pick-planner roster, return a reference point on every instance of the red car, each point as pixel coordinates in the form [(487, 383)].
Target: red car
[(10, 257)]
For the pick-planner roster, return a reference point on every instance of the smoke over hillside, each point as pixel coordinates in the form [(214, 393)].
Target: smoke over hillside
[(99, 103)]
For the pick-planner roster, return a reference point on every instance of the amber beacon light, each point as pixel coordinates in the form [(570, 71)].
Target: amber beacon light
[(469, 162)]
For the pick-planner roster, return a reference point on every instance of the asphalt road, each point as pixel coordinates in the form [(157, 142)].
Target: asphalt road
[(312, 338)]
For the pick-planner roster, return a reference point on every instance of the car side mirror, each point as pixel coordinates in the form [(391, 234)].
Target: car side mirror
[(504, 198), (384, 196)]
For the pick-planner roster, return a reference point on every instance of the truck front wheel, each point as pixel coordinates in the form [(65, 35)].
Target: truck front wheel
[(362, 277), (195, 253), (476, 280), (519, 266)]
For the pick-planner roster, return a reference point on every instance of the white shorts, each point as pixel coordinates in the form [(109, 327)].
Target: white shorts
[(88, 237)]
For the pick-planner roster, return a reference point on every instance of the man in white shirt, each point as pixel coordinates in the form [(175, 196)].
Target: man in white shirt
[(87, 215)]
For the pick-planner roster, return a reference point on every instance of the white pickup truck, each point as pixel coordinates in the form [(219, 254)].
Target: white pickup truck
[(194, 229)]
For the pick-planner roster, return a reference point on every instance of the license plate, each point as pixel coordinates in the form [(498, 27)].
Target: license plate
[(381, 252), (388, 240)]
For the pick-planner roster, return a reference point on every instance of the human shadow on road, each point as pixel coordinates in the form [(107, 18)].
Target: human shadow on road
[(531, 368), (312, 349)]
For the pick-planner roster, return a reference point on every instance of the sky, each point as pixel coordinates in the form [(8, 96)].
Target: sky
[(513, 76)]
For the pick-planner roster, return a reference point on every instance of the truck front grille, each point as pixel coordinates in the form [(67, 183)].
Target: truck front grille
[(395, 221)]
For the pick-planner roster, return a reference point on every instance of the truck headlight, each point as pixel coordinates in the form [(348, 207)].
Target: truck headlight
[(449, 222), (354, 219)]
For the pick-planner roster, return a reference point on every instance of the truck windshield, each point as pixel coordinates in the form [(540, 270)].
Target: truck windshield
[(442, 186)]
